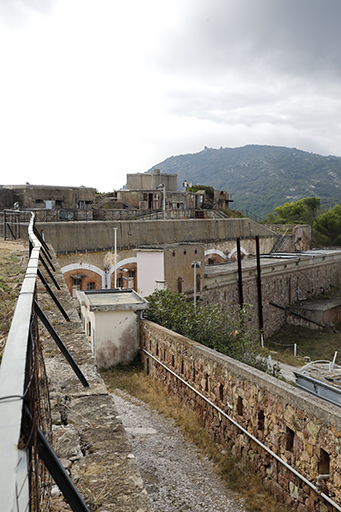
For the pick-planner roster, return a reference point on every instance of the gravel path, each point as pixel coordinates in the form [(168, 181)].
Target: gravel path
[(175, 478)]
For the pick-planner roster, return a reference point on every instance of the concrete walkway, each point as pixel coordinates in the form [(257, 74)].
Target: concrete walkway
[(287, 371)]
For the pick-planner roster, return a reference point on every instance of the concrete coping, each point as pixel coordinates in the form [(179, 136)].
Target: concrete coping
[(114, 300)]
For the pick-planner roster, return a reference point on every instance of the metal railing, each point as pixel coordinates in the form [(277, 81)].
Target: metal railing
[(27, 460), (13, 224), (315, 487), (251, 215)]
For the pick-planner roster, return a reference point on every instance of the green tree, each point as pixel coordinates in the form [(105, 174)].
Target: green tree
[(209, 190), (232, 335), (327, 227), (304, 211)]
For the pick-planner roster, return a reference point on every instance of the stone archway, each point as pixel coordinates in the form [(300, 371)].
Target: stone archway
[(233, 254), (214, 256), (90, 276), (128, 277)]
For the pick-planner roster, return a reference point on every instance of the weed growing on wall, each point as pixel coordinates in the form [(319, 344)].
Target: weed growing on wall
[(232, 335)]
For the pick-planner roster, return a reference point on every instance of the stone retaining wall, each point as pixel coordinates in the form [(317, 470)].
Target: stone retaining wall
[(303, 430), (284, 286), (70, 237)]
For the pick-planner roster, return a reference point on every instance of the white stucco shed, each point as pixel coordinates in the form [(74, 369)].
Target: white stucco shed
[(110, 319)]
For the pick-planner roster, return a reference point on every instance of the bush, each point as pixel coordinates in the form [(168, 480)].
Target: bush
[(233, 335)]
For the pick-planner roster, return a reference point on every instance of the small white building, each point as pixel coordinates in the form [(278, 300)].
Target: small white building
[(110, 319)]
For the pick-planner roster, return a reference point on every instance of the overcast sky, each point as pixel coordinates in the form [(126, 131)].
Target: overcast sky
[(91, 90)]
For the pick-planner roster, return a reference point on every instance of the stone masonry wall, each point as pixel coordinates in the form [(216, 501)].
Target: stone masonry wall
[(303, 430), (282, 288)]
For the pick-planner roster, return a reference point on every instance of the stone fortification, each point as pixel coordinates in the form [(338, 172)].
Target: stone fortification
[(71, 237), (284, 282), (304, 431)]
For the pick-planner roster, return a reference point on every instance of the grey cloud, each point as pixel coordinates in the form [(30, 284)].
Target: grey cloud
[(250, 63), (289, 36)]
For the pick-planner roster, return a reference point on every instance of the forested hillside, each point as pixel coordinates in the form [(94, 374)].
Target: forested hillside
[(259, 178)]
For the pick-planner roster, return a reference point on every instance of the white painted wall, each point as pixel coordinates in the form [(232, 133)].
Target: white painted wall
[(116, 337), (113, 336), (150, 268)]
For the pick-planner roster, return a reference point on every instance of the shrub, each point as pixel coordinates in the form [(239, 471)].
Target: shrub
[(232, 335)]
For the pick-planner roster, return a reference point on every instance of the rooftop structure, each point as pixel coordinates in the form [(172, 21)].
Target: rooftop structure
[(111, 324), (322, 379), (46, 196)]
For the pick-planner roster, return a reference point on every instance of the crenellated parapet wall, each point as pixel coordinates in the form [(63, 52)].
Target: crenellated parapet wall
[(300, 429)]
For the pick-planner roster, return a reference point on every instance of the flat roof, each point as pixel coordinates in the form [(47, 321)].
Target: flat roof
[(115, 299), (269, 261)]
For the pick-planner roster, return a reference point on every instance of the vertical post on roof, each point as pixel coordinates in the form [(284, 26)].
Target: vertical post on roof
[(259, 286), (115, 231), (240, 278)]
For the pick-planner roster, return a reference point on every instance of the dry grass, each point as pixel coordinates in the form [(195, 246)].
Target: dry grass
[(315, 344), (12, 263), (310, 343), (248, 486)]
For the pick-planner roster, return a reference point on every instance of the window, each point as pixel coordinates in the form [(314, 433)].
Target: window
[(131, 275), (240, 406), (76, 285), (324, 462), (91, 286), (206, 382), (59, 203), (289, 439), (260, 420)]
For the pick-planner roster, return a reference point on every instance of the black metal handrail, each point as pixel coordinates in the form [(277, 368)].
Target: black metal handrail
[(27, 460)]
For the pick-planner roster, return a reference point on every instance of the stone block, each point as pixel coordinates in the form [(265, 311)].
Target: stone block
[(312, 428), (293, 490)]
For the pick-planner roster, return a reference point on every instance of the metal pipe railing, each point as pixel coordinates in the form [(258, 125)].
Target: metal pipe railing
[(316, 488)]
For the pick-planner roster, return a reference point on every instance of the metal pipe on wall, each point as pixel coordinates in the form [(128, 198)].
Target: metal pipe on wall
[(316, 488)]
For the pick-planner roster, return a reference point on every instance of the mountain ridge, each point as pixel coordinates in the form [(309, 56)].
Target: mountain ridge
[(260, 177)]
